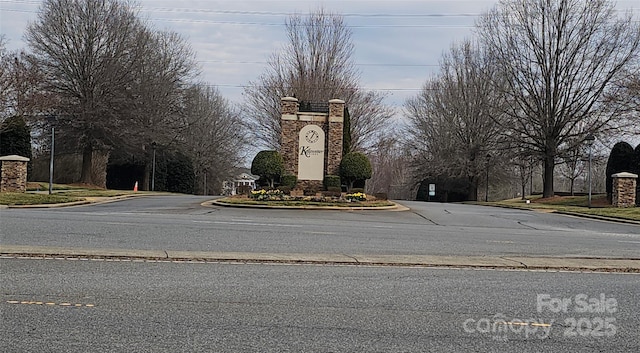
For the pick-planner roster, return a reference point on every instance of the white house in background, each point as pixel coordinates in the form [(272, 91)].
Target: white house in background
[(241, 182)]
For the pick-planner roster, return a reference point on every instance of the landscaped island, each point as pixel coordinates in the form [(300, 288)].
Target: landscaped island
[(321, 199)]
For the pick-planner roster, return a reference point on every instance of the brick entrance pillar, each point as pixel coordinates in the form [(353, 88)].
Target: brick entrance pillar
[(624, 189), (14, 174)]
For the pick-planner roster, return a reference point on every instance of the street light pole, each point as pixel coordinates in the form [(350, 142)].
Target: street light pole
[(204, 185), (590, 138), (486, 194), (153, 167), (53, 138)]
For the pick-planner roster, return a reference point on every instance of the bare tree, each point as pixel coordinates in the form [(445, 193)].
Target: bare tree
[(558, 58), (391, 164), (573, 166), (157, 93), (5, 79), (87, 50), (214, 138), (315, 66), (22, 91), (453, 127)]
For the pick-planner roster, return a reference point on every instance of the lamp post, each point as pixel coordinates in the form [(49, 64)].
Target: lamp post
[(486, 193), (52, 121), (153, 167), (204, 184), (589, 139)]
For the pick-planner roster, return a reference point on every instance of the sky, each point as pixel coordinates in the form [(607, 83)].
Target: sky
[(398, 44)]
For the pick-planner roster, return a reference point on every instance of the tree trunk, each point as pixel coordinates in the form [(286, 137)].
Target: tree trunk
[(146, 178), (549, 166), (87, 162), (472, 191), (571, 186)]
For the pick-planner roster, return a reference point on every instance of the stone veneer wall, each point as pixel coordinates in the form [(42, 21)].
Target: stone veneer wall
[(289, 134), (293, 121), (334, 143), (624, 190), (13, 174)]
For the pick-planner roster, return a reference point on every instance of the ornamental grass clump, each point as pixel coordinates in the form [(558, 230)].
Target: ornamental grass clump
[(267, 195)]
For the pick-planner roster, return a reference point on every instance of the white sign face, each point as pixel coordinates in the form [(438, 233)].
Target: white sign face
[(432, 189), (311, 153)]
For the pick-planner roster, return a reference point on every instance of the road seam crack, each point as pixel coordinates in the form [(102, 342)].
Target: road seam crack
[(421, 216), (512, 260)]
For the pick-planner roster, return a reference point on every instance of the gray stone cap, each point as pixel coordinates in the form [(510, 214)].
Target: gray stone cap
[(289, 99), (14, 158), (337, 101), (625, 175)]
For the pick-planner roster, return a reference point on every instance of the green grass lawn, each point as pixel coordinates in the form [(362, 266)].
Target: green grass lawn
[(575, 204), (37, 194), (19, 198)]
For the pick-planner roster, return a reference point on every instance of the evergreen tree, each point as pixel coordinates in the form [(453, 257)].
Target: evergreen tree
[(620, 160), (346, 133), (15, 137)]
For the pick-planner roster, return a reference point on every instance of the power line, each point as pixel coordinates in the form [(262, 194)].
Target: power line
[(232, 62)]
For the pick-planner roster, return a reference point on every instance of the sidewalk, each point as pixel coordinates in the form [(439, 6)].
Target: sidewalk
[(489, 262)]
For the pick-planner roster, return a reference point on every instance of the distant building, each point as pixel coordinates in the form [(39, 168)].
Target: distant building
[(242, 183)]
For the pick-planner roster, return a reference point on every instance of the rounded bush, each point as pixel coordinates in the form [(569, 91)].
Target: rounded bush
[(355, 166), (331, 181), (268, 165), (288, 181)]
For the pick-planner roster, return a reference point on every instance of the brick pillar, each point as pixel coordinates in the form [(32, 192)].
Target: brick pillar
[(13, 174), (289, 134), (334, 137), (624, 189)]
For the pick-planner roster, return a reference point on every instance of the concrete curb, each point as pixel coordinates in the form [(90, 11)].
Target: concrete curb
[(493, 262), (394, 207)]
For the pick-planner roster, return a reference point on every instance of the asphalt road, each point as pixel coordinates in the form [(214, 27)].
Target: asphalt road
[(96, 305), (99, 306), (180, 223)]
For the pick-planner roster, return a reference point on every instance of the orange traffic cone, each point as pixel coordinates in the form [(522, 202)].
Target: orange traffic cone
[(135, 187)]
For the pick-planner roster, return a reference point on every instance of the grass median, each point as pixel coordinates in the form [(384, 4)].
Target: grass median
[(574, 204)]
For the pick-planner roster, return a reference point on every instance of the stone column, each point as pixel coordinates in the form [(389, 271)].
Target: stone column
[(624, 189), (334, 138), (13, 174), (289, 134)]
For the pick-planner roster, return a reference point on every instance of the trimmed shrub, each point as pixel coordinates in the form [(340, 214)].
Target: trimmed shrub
[(620, 160), (268, 165), (331, 181), (355, 166), (288, 181)]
